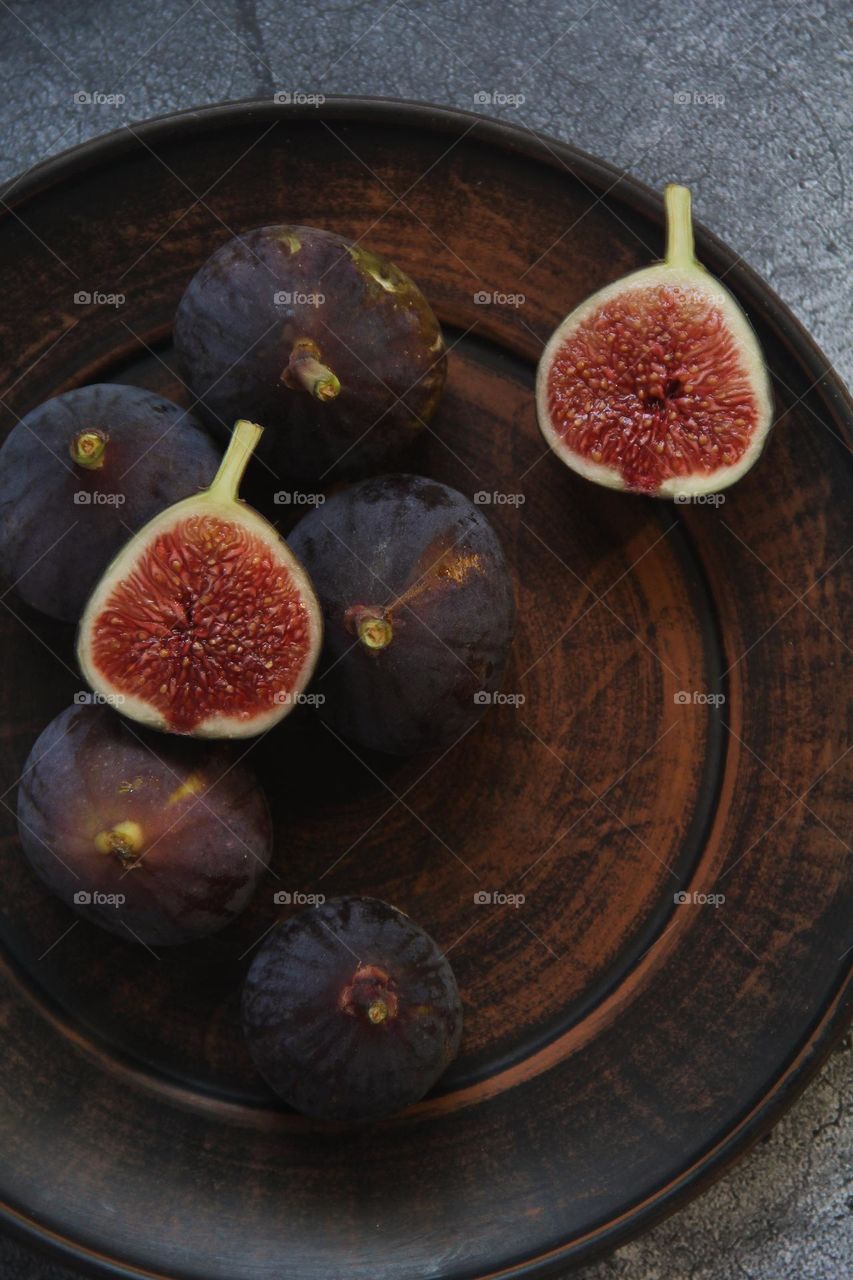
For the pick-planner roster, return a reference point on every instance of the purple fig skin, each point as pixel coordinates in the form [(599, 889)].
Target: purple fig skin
[(175, 827), (253, 306), (62, 522), (420, 556), (350, 1011)]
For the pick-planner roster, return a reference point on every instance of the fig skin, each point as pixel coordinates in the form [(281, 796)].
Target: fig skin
[(424, 562), (350, 1011), (54, 548), (181, 830), (242, 345)]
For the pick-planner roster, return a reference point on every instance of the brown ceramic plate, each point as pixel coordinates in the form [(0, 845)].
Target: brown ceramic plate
[(621, 1050)]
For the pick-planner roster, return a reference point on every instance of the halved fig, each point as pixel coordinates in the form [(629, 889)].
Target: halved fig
[(656, 384), (205, 623)]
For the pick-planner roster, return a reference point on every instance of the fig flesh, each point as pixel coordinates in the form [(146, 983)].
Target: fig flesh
[(350, 1010), (331, 346), (418, 611), (161, 840), (656, 384), (81, 472), (205, 623)]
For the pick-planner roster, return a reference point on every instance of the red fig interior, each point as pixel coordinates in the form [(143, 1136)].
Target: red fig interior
[(656, 384), (207, 617), (205, 623), (653, 384)]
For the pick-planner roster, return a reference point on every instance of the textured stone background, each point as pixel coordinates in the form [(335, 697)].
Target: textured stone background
[(749, 105)]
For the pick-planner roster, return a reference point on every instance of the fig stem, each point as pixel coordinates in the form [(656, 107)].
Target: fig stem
[(306, 370), (679, 226), (375, 633), (87, 449), (377, 1012), (243, 441), (124, 840)]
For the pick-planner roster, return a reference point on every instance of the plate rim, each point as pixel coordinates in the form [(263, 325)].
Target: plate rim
[(837, 1016)]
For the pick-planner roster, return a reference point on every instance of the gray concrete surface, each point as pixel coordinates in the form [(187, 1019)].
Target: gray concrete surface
[(748, 104)]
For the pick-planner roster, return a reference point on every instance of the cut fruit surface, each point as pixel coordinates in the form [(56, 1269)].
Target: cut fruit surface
[(656, 383), (205, 623)]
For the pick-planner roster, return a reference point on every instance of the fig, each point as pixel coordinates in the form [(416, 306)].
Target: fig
[(330, 345), (82, 471), (350, 1011), (204, 623), (656, 384), (418, 611), (158, 839)]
